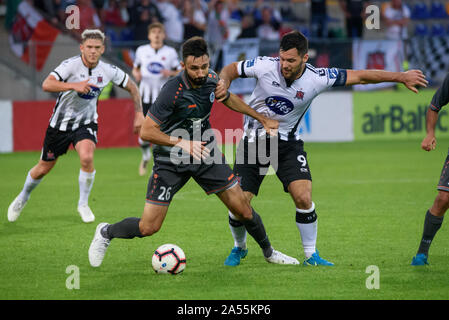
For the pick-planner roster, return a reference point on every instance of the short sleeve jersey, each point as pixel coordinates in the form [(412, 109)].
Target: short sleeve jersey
[(277, 100), (182, 110), (441, 96), (151, 63), (74, 109)]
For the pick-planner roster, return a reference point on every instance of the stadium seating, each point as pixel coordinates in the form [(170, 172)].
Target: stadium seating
[(421, 30), (437, 11), (437, 30), (420, 11)]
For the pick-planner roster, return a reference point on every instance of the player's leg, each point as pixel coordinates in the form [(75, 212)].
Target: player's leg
[(151, 221), (434, 217), (55, 144), (163, 184), (86, 177), (219, 179), (294, 173), (250, 180), (236, 201), (144, 146)]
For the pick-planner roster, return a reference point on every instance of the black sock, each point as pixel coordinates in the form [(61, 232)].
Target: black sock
[(431, 225), (126, 229), (256, 229)]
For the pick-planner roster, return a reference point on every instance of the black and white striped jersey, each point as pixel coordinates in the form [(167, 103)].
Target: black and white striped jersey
[(73, 109), (277, 100)]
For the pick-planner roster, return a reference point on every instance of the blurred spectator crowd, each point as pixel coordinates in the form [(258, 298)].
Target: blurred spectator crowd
[(221, 20)]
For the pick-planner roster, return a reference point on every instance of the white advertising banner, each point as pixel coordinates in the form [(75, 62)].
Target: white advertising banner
[(241, 49), (329, 119), (377, 54), (6, 133)]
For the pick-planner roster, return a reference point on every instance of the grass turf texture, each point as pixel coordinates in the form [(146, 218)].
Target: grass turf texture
[(371, 198)]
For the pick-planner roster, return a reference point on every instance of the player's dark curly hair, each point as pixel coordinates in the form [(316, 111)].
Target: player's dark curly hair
[(195, 46), (295, 39)]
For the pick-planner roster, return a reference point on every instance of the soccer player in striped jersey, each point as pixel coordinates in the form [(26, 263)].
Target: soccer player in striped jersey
[(434, 216), (79, 81), (284, 91), (154, 64)]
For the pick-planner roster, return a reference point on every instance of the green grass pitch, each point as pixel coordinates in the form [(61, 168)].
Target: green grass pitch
[(370, 198)]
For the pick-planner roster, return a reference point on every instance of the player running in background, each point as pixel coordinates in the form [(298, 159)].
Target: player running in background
[(182, 109), (434, 216), (286, 86), (79, 81), (153, 65)]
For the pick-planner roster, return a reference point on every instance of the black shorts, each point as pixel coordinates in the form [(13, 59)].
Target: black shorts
[(291, 165), (56, 142), (443, 184), (145, 108), (167, 179)]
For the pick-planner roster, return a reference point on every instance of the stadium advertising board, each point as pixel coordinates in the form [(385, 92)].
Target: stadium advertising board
[(329, 118), (394, 115)]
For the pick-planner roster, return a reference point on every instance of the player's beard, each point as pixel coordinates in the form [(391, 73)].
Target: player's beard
[(198, 81)]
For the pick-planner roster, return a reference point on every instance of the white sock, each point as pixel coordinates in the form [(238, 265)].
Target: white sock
[(146, 151), (238, 233), (86, 181), (29, 185), (308, 232)]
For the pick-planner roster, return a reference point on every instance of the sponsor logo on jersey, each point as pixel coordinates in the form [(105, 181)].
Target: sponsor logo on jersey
[(155, 67), (333, 73), (93, 93), (250, 63), (279, 105)]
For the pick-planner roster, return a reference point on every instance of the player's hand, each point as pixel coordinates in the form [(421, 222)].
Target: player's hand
[(429, 143), (221, 90), (83, 86), (413, 79), (271, 126), (138, 121), (194, 148)]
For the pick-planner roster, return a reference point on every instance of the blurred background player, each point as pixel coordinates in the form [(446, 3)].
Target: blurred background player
[(285, 89), (154, 64), (79, 81), (434, 216)]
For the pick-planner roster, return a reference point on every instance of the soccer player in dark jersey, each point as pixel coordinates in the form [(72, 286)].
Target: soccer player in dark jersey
[(79, 81), (434, 216), (285, 89), (182, 109)]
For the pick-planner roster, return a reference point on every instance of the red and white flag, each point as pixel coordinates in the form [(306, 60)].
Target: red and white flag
[(31, 35)]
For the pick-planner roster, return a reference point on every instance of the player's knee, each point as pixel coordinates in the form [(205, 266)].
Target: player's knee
[(303, 201), (442, 200), (148, 230), (86, 160)]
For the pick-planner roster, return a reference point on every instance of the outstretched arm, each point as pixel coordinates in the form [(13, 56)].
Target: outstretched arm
[(227, 75), (131, 87), (411, 79), (151, 132), (233, 102)]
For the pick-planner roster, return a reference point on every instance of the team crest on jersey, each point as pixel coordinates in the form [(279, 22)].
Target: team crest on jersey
[(100, 79), (299, 94), (279, 105), (212, 97), (93, 93)]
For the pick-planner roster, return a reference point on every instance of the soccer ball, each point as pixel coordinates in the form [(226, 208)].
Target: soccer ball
[(169, 258)]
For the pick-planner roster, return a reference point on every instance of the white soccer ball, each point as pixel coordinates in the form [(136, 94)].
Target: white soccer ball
[(169, 258)]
